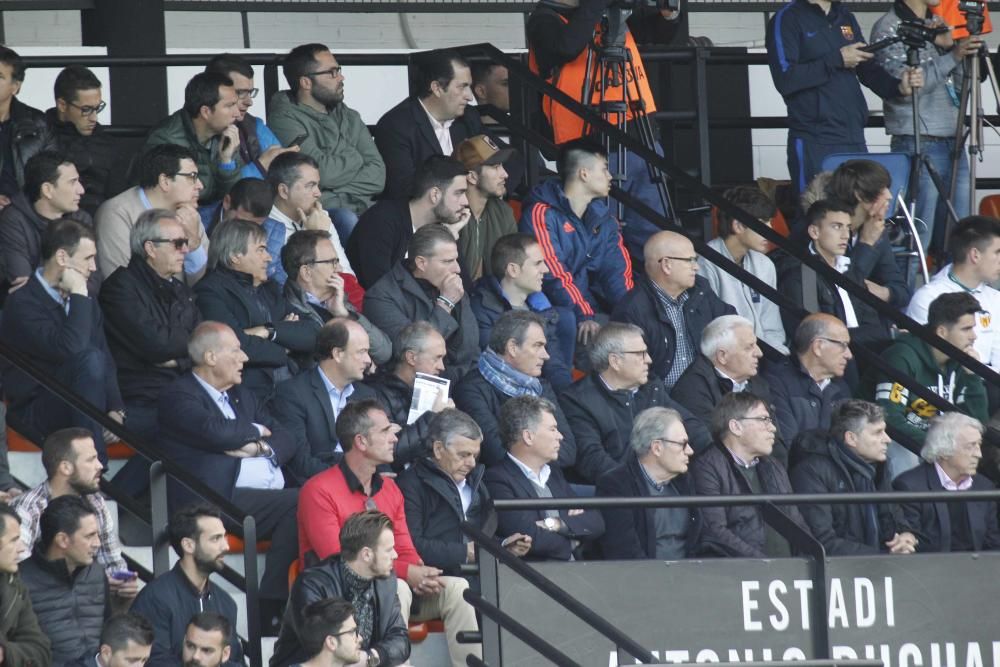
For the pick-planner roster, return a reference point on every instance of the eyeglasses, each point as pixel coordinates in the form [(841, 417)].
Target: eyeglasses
[(356, 631), (333, 71), (839, 343), (333, 260), (641, 353), (178, 243), (762, 420), (89, 110), (244, 93), (680, 443), (689, 260), (190, 175)]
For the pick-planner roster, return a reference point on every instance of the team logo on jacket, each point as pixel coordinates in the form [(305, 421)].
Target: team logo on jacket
[(848, 32), (568, 227), (985, 318)]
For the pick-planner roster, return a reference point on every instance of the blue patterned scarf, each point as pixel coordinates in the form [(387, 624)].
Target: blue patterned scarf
[(506, 378)]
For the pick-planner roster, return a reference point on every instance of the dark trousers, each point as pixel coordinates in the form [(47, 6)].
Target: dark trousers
[(133, 478), (805, 160), (46, 413), (274, 512)]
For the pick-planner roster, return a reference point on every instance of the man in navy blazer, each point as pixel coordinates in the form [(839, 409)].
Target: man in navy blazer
[(56, 323), (217, 429), (432, 122), (951, 452), (308, 405), (529, 431)]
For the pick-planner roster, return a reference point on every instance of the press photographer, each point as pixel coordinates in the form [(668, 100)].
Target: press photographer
[(564, 36)]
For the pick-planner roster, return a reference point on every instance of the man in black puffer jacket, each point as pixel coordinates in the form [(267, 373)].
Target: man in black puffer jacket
[(602, 406), (67, 584), (23, 130), (511, 366), (848, 459)]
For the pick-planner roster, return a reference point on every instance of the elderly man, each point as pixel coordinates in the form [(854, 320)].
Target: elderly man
[(444, 489), (363, 573), (672, 304), (490, 217), (150, 315), (806, 386), (849, 459), (657, 467), (198, 537), (294, 180), (167, 179), (440, 195), (55, 322), (531, 435), (511, 366), (331, 132), (427, 286), (513, 281), (331, 497), (728, 362), (952, 451), (64, 567), (238, 293), (309, 404), (741, 464), (419, 349), (73, 469), (601, 406), (218, 429), (317, 290)]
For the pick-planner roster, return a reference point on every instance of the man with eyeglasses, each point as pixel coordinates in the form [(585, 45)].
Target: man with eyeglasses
[(313, 113), (167, 179), (601, 407), (207, 127), (149, 315), (741, 464), (952, 317), (848, 459), (316, 287), (330, 634), (807, 385), (258, 144), (359, 579), (332, 498), (656, 466), (73, 122), (672, 304)]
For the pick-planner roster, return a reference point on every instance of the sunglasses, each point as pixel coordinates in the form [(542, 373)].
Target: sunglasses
[(178, 243)]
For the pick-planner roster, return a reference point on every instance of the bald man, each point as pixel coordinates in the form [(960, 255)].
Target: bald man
[(672, 304), (806, 386)]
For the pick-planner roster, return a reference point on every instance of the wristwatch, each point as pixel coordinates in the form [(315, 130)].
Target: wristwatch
[(551, 523), (272, 333), (373, 659)]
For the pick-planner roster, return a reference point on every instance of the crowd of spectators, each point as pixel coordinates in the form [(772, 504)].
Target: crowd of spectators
[(270, 305)]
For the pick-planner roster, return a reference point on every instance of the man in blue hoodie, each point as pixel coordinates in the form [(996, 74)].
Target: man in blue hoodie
[(580, 239)]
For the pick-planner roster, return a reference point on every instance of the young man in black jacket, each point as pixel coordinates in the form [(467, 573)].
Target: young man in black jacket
[(24, 135)]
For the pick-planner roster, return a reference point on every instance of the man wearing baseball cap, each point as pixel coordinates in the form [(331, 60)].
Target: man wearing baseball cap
[(491, 216)]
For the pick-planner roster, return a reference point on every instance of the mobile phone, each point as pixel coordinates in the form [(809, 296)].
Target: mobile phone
[(123, 575), (297, 141)]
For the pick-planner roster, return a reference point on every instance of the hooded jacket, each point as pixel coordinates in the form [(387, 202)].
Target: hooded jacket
[(70, 607), (351, 170), (589, 268), (912, 414), (24, 644), (827, 466)]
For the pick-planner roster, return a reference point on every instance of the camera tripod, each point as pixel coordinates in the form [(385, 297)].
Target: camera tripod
[(610, 64)]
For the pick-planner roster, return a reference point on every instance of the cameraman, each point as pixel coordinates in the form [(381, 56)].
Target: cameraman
[(814, 52), (561, 35), (941, 62)]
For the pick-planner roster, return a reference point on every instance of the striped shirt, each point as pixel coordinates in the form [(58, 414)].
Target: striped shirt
[(684, 349)]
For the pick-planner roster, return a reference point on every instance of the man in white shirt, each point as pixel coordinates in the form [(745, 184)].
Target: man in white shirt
[(975, 247)]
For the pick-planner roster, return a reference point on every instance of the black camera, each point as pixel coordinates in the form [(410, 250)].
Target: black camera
[(674, 5), (975, 14), (915, 33)]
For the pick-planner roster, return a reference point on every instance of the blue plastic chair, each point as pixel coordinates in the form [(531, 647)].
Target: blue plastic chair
[(897, 164)]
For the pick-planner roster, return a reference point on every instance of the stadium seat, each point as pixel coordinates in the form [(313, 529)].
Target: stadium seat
[(990, 206), (236, 544), (18, 443)]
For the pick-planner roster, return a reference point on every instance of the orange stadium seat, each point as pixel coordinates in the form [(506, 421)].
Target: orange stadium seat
[(18, 443), (990, 206), (236, 544)]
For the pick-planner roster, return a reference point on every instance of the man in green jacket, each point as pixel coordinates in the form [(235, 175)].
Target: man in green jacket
[(313, 114), (22, 642), (953, 318), (207, 126)]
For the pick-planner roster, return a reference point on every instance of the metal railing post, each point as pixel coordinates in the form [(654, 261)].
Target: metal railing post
[(159, 518), (252, 590)]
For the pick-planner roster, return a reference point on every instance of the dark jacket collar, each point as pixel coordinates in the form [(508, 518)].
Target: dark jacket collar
[(188, 586), (354, 484)]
